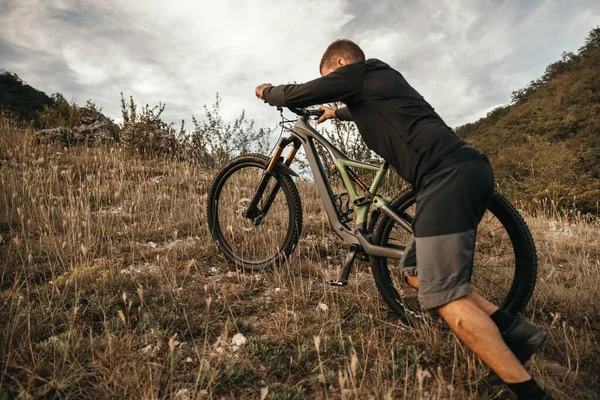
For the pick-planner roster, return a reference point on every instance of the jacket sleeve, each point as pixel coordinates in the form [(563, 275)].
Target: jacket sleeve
[(340, 85), (343, 114)]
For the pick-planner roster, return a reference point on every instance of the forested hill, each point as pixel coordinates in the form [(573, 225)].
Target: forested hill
[(545, 146), (20, 99)]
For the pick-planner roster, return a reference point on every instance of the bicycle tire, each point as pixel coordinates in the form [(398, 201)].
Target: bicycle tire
[(293, 203), (523, 247)]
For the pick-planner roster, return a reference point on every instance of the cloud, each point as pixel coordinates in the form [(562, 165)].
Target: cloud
[(464, 56), (182, 55)]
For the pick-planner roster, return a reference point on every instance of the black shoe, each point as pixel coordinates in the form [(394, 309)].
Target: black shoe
[(544, 396), (523, 338)]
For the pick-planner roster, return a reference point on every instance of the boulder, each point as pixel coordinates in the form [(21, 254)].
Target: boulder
[(54, 135), (92, 127)]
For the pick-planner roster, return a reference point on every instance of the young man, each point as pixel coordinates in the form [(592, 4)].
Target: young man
[(454, 183)]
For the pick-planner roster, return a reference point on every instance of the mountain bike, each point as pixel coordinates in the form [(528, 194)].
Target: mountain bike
[(255, 217)]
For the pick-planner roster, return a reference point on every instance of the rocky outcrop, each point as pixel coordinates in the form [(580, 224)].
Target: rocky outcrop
[(92, 128)]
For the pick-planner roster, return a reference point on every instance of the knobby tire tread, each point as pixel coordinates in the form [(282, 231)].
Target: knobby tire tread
[(525, 255), (287, 186)]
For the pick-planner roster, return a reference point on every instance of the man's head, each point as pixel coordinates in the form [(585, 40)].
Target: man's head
[(339, 53)]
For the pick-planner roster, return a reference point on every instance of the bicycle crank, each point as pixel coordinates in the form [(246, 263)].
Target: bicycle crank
[(352, 253)]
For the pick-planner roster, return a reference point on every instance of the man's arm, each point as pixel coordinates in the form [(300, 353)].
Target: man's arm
[(343, 114), (342, 84)]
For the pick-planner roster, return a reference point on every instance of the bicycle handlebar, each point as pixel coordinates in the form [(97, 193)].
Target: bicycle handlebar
[(307, 112)]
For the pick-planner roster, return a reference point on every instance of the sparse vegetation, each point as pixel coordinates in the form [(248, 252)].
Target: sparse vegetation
[(111, 287), (217, 140)]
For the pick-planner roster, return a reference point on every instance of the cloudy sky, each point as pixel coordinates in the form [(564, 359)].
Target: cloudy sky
[(464, 56)]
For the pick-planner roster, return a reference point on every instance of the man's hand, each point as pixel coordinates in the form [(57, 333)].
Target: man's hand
[(259, 90), (329, 113)]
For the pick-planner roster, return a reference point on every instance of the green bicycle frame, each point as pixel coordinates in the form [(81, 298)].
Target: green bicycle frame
[(304, 135), (362, 211)]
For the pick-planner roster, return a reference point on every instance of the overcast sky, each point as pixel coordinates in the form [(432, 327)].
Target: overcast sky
[(464, 56)]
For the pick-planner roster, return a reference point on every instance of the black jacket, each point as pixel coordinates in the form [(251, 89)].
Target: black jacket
[(393, 118)]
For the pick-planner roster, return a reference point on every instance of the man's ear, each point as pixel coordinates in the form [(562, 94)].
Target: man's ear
[(341, 61)]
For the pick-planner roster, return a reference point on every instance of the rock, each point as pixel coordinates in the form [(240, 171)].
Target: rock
[(238, 340), (95, 127), (92, 127), (54, 135)]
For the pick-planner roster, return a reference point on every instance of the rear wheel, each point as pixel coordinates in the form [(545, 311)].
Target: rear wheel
[(264, 239), (504, 267)]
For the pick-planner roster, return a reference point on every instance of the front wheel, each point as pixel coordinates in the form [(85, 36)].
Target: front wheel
[(504, 266), (272, 231)]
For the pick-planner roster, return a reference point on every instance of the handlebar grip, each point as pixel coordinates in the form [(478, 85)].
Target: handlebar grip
[(317, 112), (307, 112)]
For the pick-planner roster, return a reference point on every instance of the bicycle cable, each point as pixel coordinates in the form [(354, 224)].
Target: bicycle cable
[(283, 121), (280, 109)]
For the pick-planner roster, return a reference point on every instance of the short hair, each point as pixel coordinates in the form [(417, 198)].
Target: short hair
[(341, 48)]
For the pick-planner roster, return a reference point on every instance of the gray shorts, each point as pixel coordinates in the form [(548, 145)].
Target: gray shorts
[(449, 205)]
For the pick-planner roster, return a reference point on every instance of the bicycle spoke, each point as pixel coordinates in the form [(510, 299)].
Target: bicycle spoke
[(494, 263), (491, 269), (243, 236)]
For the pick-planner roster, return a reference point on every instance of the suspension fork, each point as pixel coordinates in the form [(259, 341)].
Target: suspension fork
[(253, 212)]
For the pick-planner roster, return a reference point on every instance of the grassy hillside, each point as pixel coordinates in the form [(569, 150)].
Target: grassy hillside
[(110, 287), (546, 145)]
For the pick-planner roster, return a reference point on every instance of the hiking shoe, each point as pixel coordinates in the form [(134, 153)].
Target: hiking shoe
[(523, 338), (544, 396)]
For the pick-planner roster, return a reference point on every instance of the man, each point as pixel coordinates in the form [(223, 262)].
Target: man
[(449, 177)]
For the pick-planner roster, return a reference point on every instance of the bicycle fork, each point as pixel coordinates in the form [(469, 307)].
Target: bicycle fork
[(253, 212)]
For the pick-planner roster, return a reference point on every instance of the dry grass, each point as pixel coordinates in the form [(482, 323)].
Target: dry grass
[(111, 288)]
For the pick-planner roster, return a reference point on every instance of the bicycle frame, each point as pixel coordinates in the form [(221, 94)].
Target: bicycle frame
[(359, 238)]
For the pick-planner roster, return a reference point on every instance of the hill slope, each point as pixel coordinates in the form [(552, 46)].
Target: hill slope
[(546, 145), (111, 285), (21, 99)]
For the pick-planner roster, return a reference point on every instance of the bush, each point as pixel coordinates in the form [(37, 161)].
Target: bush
[(212, 143), (147, 133), (215, 141), (60, 114)]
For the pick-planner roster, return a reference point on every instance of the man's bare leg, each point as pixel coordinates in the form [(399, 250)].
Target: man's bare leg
[(483, 303), (479, 333), (468, 317)]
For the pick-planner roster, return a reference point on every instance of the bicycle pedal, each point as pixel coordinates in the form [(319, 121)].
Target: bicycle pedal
[(335, 282)]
